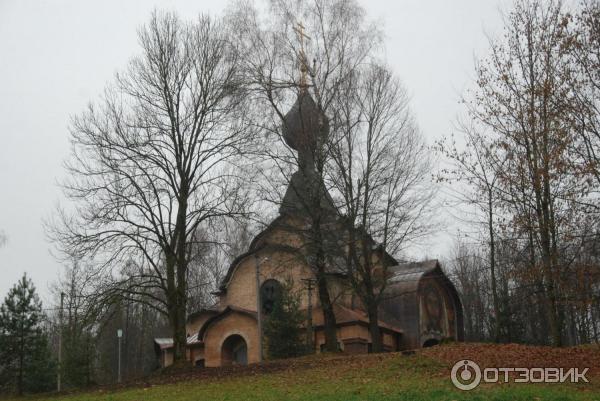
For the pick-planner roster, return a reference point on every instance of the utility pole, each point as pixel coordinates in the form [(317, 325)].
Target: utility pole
[(258, 309), (119, 335), (60, 330), (309, 282)]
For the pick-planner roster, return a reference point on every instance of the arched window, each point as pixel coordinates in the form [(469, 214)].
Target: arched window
[(270, 291)]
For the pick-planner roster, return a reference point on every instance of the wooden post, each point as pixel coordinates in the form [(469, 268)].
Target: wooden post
[(309, 324), (259, 309), (60, 330), (119, 335)]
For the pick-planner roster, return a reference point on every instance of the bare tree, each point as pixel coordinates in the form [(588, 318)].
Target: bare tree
[(381, 172), (473, 165), (88, 328), (154, 161), (470, 274), (302, 52), (77, 325), (214, 249)]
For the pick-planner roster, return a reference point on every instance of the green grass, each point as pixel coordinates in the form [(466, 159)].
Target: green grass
[(392, 377)]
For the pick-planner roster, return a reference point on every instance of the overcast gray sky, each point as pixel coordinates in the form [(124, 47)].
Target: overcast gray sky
[(57, 55)]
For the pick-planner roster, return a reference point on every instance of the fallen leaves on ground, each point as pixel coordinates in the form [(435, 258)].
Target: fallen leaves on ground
[(518, 355)]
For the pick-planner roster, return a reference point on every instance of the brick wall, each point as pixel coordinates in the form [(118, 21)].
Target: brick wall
[(234, 323)]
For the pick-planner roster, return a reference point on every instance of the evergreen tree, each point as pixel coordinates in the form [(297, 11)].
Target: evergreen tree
[(283, 326), (78, 352), (26, 365)]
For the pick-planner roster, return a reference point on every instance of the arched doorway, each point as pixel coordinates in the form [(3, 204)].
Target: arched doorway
[(234, 351), (430, 343)]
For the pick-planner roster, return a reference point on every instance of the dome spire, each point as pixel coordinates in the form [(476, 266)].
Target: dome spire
[(305, 126), (299, 28), (305, 129)]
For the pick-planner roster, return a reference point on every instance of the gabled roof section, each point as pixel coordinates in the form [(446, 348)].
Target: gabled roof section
[(412, 270), (258, 244), (255, 246), (406, 278), (345, 316), (167, 343), (277, 222), (163, 343), (239, 259), (224, 313), (212, 310)]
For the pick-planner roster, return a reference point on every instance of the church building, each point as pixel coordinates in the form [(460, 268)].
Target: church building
[(420, 306)]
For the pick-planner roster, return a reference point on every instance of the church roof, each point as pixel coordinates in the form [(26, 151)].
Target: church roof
[(197, 337), (412, 270), (228, 310), (406, 278), (345, 316), (256, 245), (305, 129), (211, 310), (166, 343), (297, 196)]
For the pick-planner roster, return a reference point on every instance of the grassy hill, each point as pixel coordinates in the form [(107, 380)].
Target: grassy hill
[(422, 376)]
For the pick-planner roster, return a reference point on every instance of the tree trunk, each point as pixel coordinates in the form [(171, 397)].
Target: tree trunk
[(493, 267), (21, 359), (176, 309), (317, 247), (180, 290), (553, 319), (328, 314), (374, 330), (179, 336)]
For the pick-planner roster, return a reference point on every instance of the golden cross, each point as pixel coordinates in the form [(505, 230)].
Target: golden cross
[(299, 28)]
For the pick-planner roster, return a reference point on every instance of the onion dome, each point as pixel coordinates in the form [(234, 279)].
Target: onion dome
[(305, 126)]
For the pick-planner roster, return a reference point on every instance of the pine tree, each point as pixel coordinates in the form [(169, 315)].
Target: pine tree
[(25, 362), (283, 326)]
